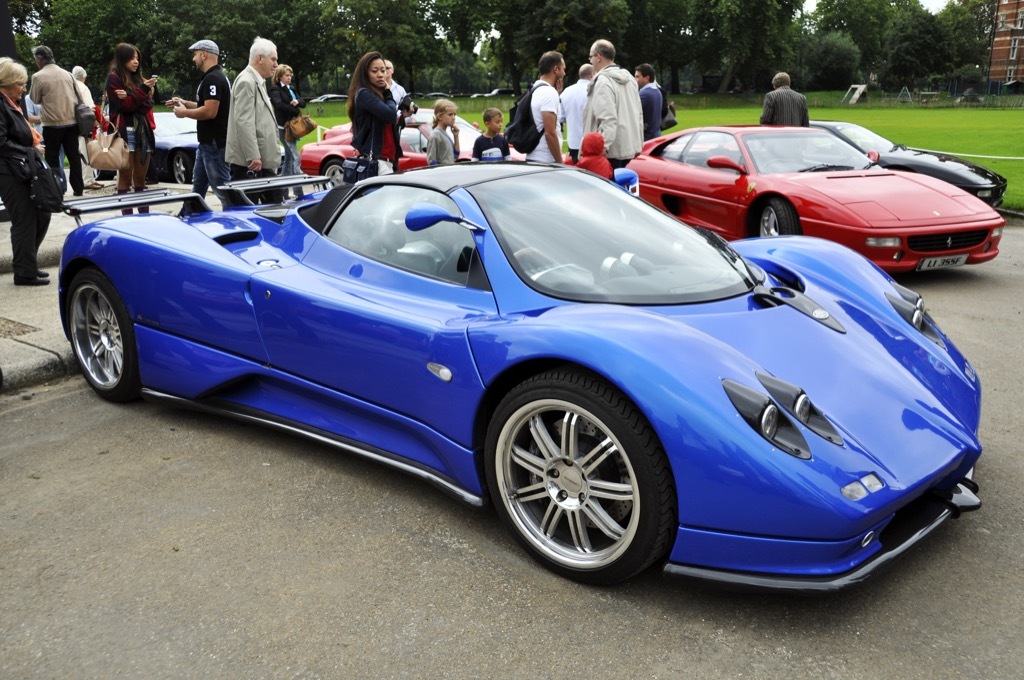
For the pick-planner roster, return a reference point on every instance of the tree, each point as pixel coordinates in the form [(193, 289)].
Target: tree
[(865, 21), (744, 38), (834, 59), (914, 47), (966, 27)]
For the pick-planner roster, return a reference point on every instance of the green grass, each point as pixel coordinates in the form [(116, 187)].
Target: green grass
[(967, 132)]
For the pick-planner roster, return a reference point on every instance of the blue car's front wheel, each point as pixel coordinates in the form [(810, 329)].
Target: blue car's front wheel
[(579, 475)]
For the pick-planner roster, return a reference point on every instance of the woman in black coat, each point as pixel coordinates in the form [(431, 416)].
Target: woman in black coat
[(287, 105), (18, 152)]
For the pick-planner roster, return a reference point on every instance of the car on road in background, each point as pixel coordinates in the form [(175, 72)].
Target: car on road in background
[(971, 177), (329, 98), (623, 389), (496, 92), (744, 181)]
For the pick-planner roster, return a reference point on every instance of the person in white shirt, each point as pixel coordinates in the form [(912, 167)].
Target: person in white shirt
[(88, 176), (574, 98), (547, 108), (398, 93)]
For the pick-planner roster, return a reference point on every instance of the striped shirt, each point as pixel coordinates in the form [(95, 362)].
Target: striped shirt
[(783, 106)]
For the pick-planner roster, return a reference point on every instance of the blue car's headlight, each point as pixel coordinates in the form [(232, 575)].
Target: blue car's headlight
[(771, 422), (772, 415), (910, 306)]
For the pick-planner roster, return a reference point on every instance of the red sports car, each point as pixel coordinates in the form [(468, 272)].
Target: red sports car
[(325, 157), (763, 181)]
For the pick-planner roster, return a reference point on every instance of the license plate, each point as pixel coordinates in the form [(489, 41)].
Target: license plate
[(942, 262)]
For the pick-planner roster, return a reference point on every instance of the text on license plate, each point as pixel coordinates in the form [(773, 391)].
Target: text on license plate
[(941, 262)]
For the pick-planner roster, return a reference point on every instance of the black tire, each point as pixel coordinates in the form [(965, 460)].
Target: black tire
[(102, 337), (180, 166), (333, 169), (596, 507), (779, 218)]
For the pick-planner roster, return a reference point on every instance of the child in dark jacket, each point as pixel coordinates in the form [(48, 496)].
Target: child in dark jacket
[(592, 156)]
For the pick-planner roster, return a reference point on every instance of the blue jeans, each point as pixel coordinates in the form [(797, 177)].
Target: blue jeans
[(211, 170), (290, 164)]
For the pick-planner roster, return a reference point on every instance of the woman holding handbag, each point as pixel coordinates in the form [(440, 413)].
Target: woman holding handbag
[(374, 115), (131, 100), (287, 105), (19, 145)]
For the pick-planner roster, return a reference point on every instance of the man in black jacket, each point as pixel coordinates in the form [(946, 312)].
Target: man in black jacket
[(210, 110), (783, 106)]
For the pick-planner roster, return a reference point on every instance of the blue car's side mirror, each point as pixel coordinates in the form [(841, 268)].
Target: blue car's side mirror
[(628, 180), (425, 215)]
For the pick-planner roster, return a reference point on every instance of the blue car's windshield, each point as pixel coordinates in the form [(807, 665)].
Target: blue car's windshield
[(571, 235)]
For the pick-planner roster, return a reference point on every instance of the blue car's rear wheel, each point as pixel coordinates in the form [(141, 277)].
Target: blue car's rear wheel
[(579, 475), (102, 337)]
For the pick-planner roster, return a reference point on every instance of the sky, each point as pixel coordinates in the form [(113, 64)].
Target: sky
[(932, 6)]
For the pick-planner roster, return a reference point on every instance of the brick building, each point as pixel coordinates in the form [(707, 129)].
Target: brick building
[(1006, 58)]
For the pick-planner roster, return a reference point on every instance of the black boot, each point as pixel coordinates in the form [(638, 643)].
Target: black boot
[(143, 209), (124, 211)]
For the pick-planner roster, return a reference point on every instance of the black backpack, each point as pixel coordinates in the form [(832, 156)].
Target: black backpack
[(522, 132)]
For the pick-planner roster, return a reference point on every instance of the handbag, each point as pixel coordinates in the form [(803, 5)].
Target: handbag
[(669, 120), (44, 188), (85, 115), (298, 127), (358, 168), (107, 152)]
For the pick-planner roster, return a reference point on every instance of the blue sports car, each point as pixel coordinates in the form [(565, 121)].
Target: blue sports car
[(626, 390)]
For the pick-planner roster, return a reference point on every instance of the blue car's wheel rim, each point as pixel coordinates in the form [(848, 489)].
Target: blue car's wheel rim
[(567, 484), (96, 336)]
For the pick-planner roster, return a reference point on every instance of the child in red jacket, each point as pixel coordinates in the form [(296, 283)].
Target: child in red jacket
[(592, 155)]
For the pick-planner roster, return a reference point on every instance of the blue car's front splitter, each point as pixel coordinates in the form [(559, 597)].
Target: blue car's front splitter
[(908, 526)]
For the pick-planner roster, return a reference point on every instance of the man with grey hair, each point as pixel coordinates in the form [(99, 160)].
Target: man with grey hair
[(613, 106), (88, 176), (252, 142), (574, 98), (53, 89), (784, 106)]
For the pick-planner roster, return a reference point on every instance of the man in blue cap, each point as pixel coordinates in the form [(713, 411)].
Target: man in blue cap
[(210, 110)]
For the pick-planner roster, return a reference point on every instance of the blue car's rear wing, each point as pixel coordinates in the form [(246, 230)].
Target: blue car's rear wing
[(191, 203)]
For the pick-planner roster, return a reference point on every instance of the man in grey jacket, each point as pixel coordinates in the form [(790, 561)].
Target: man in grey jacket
[(252, 144), (613, 106)]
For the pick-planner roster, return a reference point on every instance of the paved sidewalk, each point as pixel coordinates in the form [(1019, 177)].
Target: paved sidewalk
[(33, 348)]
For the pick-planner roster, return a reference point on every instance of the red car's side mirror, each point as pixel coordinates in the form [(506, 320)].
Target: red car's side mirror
[(873, 156), (726, 163)]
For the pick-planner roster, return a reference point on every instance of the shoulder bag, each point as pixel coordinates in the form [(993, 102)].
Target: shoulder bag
[(358, 168), (85, 115), (44, 187), (108, 151), (298, 127)]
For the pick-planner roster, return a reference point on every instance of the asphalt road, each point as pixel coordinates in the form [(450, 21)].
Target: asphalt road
[(149, 542)]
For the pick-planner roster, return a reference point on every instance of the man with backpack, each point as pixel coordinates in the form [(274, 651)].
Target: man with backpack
[(534, 129)]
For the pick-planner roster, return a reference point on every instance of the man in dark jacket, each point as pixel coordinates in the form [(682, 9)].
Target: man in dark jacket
[(783, 106), (210, 110)]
